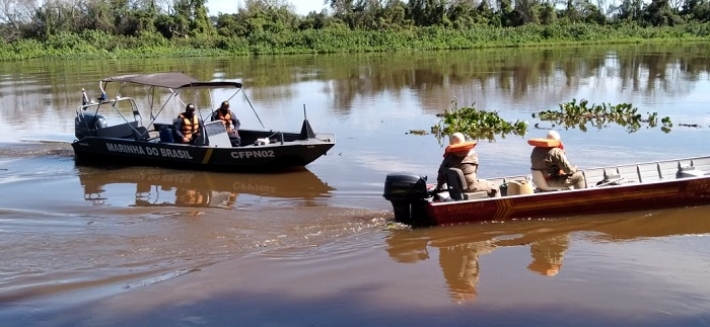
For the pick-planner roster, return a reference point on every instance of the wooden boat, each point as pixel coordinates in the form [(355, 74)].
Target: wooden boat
[(643, 186), (180, 188), (131, 142)]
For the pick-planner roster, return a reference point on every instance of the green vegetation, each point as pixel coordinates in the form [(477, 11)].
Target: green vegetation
[(481, 124), (573, 114), (417, 132), (146, 28), (477, 124)]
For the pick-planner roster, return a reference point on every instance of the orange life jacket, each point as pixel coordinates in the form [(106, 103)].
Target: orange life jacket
[(226, 119), (461, 147), (545, 143), (189, 126)]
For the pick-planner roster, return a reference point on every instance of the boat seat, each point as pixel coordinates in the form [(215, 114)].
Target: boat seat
[(118, 131), (217, 134), (457, 185), (541, 183), (140, 133), (167, 134)]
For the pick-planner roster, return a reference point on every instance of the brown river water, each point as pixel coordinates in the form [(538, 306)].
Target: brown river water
[(112, 246)]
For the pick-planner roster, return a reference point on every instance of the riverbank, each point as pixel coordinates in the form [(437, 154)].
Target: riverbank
[(93, 44)]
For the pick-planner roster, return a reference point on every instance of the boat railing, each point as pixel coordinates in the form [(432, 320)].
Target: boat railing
[(647, 172), (701, 163), (669, 169), (126, 129), (633, 173), (280, 136)]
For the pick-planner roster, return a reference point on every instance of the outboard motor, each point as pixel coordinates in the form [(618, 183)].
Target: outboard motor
[(86, 124), (409, 196)]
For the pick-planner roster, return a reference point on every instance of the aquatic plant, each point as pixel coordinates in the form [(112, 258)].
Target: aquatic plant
[(417, 132), (573, 114), (477, 124)]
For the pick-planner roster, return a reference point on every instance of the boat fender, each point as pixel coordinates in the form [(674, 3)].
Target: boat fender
[(545, 143), (460, 147), (262, 141)]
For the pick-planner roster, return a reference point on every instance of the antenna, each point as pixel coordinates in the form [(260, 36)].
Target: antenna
[(306, 130)]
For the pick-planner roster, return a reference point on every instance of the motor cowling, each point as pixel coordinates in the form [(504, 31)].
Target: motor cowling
[(86, 124), (405, 186), (409, 196)]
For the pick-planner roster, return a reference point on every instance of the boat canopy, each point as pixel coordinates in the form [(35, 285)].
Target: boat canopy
[(172, 80)]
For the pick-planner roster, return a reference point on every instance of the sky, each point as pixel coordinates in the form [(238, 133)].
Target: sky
[(303, 7)]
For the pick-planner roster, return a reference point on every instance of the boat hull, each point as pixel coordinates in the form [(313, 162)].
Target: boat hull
[(631, 187), (271, 157), (676, 193)]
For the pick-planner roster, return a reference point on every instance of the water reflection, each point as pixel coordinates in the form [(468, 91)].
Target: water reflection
[(461, 247), (156, 187), (522, 75), (547, 255), (433, 78)]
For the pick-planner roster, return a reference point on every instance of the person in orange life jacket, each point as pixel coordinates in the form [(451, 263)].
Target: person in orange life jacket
[(551, 160), (230, 121), (459, 154), (188, 124)]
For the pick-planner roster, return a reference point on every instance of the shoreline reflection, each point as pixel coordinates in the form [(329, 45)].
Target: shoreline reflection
[(461, 247), (163, 187)]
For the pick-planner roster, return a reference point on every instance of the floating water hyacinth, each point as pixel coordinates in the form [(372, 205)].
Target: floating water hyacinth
[(573, 114), (477, 124), (482, 124)]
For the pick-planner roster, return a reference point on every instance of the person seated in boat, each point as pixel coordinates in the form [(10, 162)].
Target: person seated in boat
[(230, 121), (460, 154), (548, 156), (187, 125)]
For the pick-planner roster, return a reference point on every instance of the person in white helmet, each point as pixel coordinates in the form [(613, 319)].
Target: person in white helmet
[(548, 156), (460, 154)]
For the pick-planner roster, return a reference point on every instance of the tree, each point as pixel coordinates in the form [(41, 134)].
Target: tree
[(660, 13), (99, 16), (201, 23), (630, 10), (14, 14), (696, 10)]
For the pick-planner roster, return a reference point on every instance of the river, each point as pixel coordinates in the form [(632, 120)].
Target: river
[(91, 246)]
